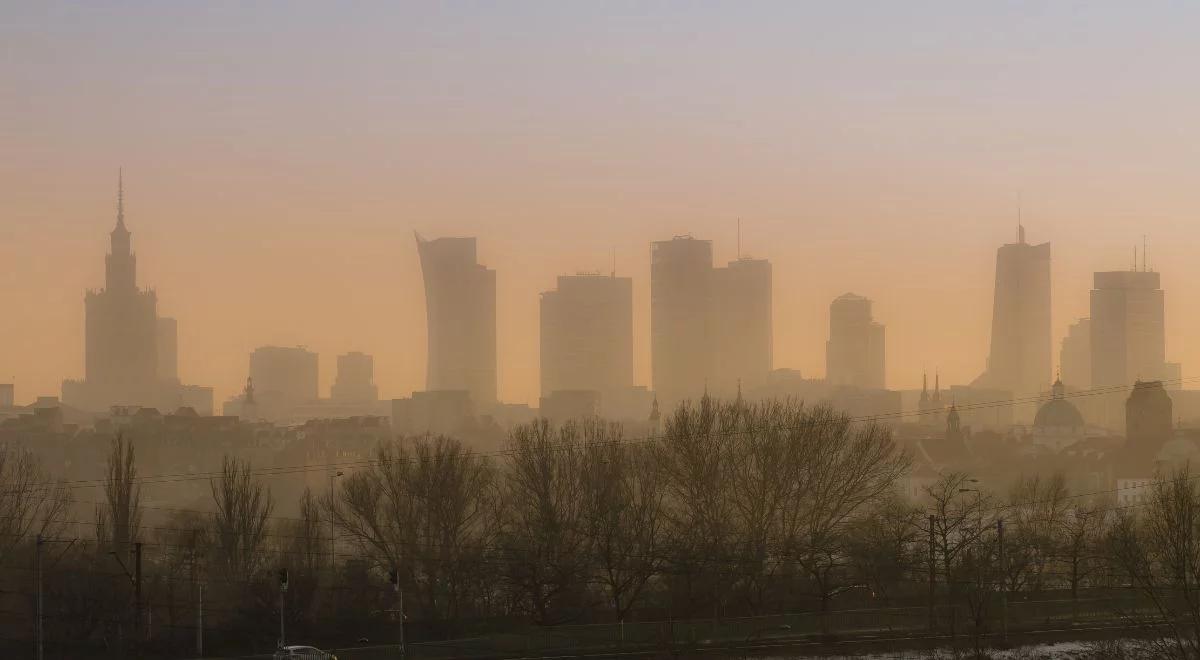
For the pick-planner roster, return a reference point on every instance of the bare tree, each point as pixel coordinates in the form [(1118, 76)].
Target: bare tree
[(1160, 556), (119, 519), (696, 459), (243, 507), (543, 532), (1037, 512), (1081, 535), (624, 503), (844, 469), (29, 503), (427, 512), (303, 542), (885, 544)]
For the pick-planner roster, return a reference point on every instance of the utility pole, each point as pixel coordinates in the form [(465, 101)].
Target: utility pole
[(137, 581), (394, 578), (199, 588), (1003, 583), (283, 587), (932, 575), (39, 596), (200, 621)]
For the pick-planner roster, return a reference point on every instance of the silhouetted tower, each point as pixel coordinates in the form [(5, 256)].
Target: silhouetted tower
[(742, 324), (355, 379), (1019, 361), (1127, 328), (460, 311), (681, 301), (587, 335), (121, 361), (1148, 418), (854, 354), (1075, 359)]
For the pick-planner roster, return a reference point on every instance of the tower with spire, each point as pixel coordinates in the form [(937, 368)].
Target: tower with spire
[(930, 405), (121, 349), (120, 265)]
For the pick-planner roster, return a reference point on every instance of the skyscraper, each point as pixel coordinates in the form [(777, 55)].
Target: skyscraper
[(1075, 359), (284, 376), (1019, 361), (681, 301), (587, 335), (121, 352), (1127, 334), (460, 310), (168, 349), (355, 379), (854, 354), (742, 325)]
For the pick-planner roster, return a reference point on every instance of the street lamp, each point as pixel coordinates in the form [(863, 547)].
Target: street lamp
[(332, 529)]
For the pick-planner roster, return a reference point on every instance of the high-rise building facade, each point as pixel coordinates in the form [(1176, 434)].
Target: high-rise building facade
[(460, 310), (1019, 360), (854, 354), (587, 335), (1127, 330), (681, 305), (711, 329), (168, 349), (355, 379), (284, 375), (1075, 358), (742, 326)]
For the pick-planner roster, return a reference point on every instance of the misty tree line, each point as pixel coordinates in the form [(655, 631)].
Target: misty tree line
[(736, 509)]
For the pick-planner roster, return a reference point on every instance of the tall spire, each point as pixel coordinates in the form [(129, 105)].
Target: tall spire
[(121, 198)]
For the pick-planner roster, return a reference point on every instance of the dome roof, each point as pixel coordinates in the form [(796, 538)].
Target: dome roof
[(1058, 413)]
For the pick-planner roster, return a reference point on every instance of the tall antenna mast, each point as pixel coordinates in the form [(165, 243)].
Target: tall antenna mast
[(739, 239), (1143, 253)]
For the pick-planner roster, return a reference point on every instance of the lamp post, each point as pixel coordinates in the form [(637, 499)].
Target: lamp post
[(332, 529)]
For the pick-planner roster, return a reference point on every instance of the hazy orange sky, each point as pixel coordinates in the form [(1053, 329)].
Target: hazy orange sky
[(278, 157)]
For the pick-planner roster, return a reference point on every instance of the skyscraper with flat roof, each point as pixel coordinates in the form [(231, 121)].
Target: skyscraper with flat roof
[(355, 379), (284, 375), (587, 335), (681, 307), (1019, 360), (854, 354), (460, 311), (1127, 332), (742, 325)]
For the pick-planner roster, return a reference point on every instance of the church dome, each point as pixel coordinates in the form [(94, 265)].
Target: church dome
[(1058, 412)]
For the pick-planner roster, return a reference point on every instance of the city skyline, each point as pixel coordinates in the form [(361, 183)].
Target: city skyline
[(166, 327), (300, 192)]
